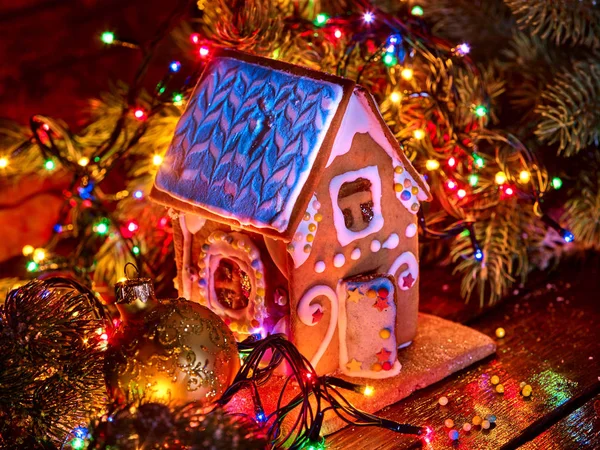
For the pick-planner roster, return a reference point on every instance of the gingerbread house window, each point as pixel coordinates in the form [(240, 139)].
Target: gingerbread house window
[(232, 285), (356, 200)]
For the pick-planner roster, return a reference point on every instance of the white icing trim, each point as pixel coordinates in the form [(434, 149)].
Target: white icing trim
[(392, 241), (375, 245), (360, 118), (344, 235), (355, 254), (320, 266), (239, 248), (296, 248), (411, 230), (339, 260), (186, 258), (194, 222), (305, 314), (406, 344), (342, 326), (406, 258)]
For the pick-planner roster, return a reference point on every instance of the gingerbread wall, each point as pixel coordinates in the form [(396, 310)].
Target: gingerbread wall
[(364, 152)]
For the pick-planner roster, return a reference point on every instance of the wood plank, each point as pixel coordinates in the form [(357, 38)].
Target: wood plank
[(579, 430), (551, 342)]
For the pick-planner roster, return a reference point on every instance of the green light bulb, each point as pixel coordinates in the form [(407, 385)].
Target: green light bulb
[(177, 98), (417, 11), (101, 227), (473, 180), (389, 60), (49, 164), (481, 111), (77, 443), (321, 19), (556, 183), (135, 250), (32, 266), (108, 37)]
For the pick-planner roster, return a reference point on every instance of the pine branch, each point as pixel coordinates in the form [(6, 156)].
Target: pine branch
[(583, 208), (573, 22), (570, 109)]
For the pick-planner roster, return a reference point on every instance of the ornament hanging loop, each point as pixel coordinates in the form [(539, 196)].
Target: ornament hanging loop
[(137, 271)]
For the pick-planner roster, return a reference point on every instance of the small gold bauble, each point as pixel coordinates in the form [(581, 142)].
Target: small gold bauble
[(170, 351)]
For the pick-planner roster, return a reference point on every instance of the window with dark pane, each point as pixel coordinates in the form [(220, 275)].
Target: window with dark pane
[(355, 200), (232, 285)]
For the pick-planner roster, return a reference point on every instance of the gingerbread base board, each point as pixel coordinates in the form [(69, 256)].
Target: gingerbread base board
[(440, 348)]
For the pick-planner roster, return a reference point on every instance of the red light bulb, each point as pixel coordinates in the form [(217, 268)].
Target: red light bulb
[(195, 38), (452, 161), (139, 114), (450, 184), (203, 52)]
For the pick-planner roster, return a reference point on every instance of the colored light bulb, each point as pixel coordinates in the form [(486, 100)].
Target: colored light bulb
[(49, 164), (369, 390), (463, 49), (451, 184), (524, 176), (138, 194), (139, 114), (417, 10), (368, 17), (175, 66), (478, 254), (3, 163), (101, 227), (473, 180), (407, 74), (135, 250), (39, 254), (567, 235), (177, 98), (321, 19), (77, 443), (556, 183), (108, 37), (32, 266), (203, 52), (509, 191), (195, 38), (479, 162), (432, 164), (157, 160), (395, 97), (419, 134), (27, 250), (461, 193), (452, 161), (83, 161), (481, 111), (389, 59), (337, 34), (500, 178)]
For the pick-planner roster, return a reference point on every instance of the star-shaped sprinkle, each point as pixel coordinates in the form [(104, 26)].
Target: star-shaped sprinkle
[(317, 315), (381, 304), (354, 295), (383, 355), (354, 365), (408, 280)]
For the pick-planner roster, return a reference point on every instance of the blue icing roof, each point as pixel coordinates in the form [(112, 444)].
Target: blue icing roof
[(247, 141)]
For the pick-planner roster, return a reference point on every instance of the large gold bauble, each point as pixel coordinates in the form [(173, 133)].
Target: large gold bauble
[(170, 351)]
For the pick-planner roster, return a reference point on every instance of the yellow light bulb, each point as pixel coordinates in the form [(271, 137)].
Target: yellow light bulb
[(407, 74), (432, 164), (395, 97), (524, 176), (369, 390), (157, 160), (39, 254), (28, 250), (500, 178), (419, 134), (3, 162), (83, 161)]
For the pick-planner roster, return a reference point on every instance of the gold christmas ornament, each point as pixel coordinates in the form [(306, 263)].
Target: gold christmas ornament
[(169, 351)]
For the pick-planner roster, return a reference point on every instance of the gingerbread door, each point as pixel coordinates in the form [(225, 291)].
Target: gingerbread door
[(366, 322)]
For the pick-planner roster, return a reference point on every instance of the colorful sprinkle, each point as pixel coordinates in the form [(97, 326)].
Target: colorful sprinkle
[(495, 379), (486, 424), (383, 293), (310, 237), (406, 195), (384, 333), (307, 248), (407, 183), (466, 426), (443, 401), (500, 389), (371, 293), (318, 217), (414, 206), (376, 367), (312, 227), (414, 190), (527, 390), (453, 434), (476, 420), (398, 187), (398, 169), (387, 365), (448, 423), (500, 333)]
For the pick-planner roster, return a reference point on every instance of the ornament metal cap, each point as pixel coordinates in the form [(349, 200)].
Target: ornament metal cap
[(135, 292)]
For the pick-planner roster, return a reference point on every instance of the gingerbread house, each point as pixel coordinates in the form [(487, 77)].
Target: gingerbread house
[(294, 212)]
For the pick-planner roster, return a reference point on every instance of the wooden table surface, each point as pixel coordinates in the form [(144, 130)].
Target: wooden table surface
[(552, 342), (54, 62)]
